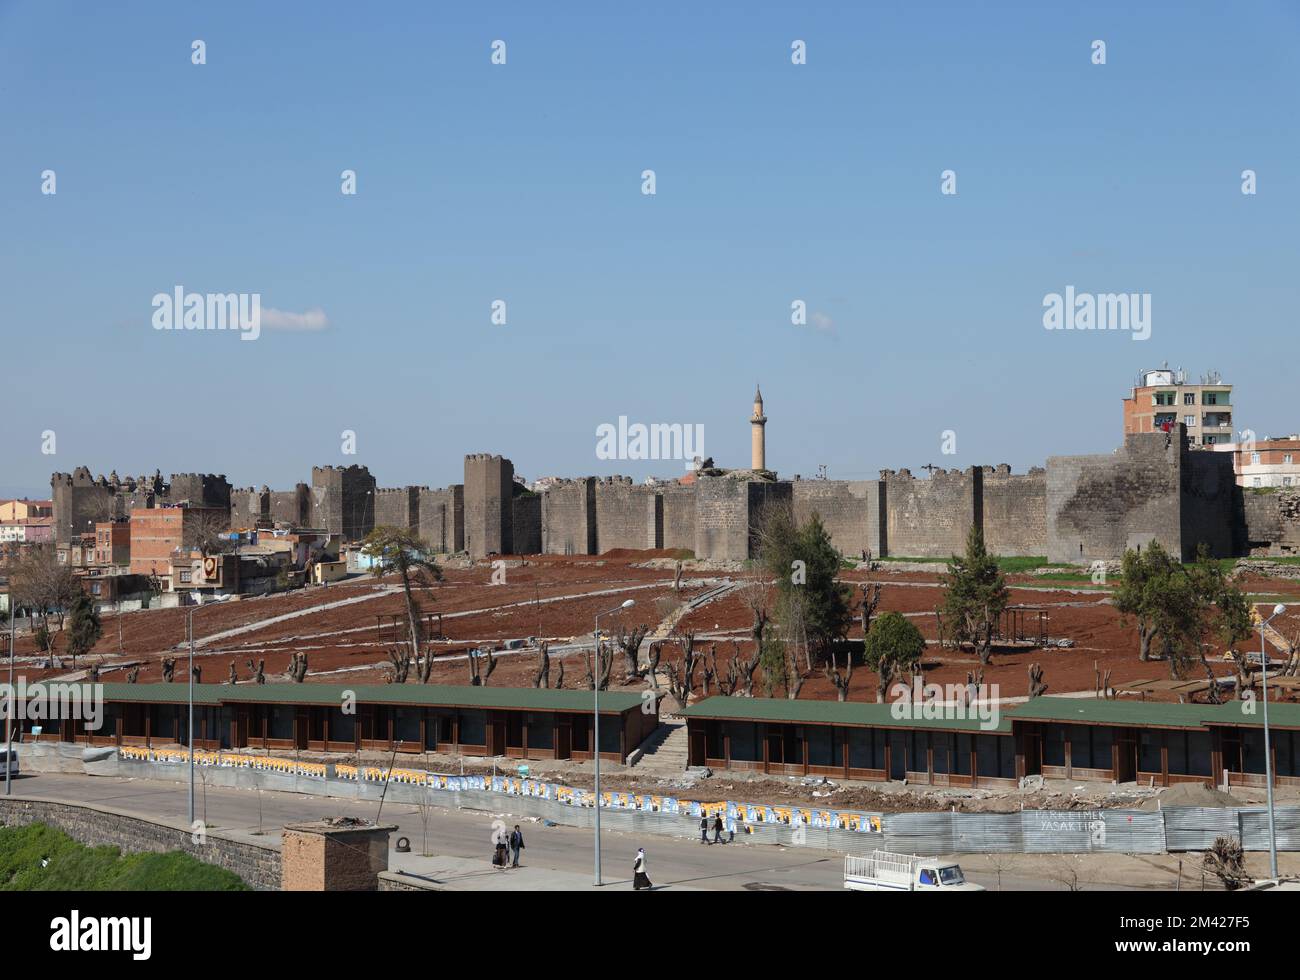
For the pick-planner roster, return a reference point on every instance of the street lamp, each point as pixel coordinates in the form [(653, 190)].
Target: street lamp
[(189, 620), (13, 697), (595, 735), (1278, 610)]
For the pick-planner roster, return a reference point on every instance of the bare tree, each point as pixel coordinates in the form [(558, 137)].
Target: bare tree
[(297, 669), (745, 669), (168, 669), (652, 664), (629, 642), (478, 677), (232, 677), (559, 677), (258, 671), (840, 681), (133, 674), (604, 663), (424, 666), (401, 661), (543, 676), (1036, 686), (870, 599)]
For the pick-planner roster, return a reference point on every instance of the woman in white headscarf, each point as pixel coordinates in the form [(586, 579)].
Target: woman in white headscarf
[(639, 877)]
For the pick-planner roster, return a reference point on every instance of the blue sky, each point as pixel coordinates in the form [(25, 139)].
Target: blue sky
[(522, 182)]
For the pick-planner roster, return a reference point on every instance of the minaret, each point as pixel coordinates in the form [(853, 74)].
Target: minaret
[(757, 421)]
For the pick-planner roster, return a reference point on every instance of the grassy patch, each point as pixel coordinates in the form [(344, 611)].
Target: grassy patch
[(39, 858)]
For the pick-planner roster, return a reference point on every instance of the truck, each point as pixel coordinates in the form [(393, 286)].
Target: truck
[(884, 871)]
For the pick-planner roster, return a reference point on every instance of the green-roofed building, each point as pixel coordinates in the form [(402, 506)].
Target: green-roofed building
[(1055, 737), (517, 723)]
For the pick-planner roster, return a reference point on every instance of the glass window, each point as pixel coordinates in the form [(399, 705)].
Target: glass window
[(745, 743), (1080, 748), (1284, 750), (406, 725), (918, 755), (1198, 753), (343, 728), (280, 722), (1054, 745), (713, 744), (940, 749), (866, 748), (473, 727), (1149, 744), (961, 757), (986, 755), (611, 729), (821, 747), (1252, 751), (541, 729)]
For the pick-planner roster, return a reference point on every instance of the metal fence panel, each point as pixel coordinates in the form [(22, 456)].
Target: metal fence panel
[(1194, 828), (1254, 828)]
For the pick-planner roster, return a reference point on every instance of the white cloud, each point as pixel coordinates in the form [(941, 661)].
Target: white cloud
[(314, 319), (821, 321)]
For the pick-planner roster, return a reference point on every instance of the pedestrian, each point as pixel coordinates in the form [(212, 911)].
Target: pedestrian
[(704, 827), (717, 828), (516, 845), (639, 877), (499, 851)]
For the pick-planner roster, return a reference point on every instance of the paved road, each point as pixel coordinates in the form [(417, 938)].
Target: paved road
[(555, 857)]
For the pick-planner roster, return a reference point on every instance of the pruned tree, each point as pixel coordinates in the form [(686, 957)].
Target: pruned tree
[(653, 654), (543, 676), (424, 666), (478, 674), (168, 669), (840, 680), (133, 675), (400, 658), (92, 674), (258, 671), (559, 677), (745, 669), (681, 675), (297, 669), (232, 677), (871, 592), (597, 678), (629, 641), (197, 671), (677, 576), (1037, 688)]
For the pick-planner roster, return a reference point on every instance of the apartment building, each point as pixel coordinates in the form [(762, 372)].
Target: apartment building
[(1164, 397), (1265, 462)]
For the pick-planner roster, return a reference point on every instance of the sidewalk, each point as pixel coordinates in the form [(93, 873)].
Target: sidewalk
[(447, 873)]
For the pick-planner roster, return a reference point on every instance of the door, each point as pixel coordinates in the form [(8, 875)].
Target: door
[(897, 755), (1125, 756)]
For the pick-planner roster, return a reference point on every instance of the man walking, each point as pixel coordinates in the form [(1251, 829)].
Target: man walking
[(704, 827), (717, 828), (516, 845)]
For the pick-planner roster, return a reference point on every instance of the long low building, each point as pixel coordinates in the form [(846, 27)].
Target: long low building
[(517, 723), (1055, 737)]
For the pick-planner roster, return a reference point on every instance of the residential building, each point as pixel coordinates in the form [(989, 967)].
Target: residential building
[(17, 510), (113, 542), (1265, 462), (27, 530), (1164, 397), (157, 532)]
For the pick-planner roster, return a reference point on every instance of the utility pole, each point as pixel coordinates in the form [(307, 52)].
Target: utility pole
[(13, 698)]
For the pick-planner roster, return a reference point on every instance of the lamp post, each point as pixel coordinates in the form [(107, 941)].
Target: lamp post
[(595, 734), (13, 698), (1278, 610), (189, 619)]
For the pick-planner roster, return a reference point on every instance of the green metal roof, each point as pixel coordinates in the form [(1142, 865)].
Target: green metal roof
[(1155, 714), (152, 693), (430, 695), (417, 695), (1100, 711), (850, 713), (1284, 714)]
